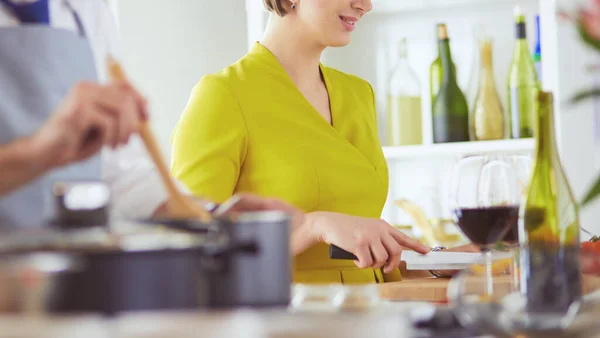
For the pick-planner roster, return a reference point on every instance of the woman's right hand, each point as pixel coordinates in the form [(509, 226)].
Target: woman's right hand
[(374, 242)]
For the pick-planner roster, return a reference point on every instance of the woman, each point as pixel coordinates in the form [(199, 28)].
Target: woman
[(278, 123)]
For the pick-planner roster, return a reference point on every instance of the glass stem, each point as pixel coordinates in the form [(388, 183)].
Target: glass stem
[(489, 284), (515, 268)]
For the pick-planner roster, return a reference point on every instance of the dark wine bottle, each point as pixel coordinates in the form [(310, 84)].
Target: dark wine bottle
[(450, 110)]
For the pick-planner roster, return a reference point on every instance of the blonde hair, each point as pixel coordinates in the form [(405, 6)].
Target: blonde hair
[(277, 6)]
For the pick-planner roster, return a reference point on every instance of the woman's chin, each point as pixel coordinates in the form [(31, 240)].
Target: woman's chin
[(339, 42)]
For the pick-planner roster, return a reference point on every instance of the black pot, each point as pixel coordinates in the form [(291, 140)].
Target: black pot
[(223, 264)]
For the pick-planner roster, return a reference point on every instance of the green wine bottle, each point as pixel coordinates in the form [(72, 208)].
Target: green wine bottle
[(523, 84), (549, 224), (436, 73), (450, 110)]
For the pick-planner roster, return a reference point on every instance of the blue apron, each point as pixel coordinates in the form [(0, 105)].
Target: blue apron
[(38, 66)]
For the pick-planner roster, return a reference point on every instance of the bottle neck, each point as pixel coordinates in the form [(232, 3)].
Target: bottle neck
[(402, 61), (544, 130), (447, 63), (521, 39), (487, 68)]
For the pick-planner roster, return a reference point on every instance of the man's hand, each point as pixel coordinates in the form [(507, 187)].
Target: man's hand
[(90, 117)]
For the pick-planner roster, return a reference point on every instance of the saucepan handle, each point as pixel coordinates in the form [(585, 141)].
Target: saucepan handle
[(248, 247)]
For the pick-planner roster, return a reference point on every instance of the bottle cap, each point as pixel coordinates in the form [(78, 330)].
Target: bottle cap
[(442, 31), (519, 15)]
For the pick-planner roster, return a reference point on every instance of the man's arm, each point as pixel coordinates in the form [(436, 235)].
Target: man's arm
[(21, 161)]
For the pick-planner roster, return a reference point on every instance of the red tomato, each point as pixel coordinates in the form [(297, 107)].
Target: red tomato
[(588, 246)]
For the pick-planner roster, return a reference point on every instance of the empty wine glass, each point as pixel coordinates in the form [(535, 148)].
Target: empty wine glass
[(484, 203)]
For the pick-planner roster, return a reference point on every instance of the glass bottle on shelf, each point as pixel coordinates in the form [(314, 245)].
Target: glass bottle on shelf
[(523, 83), (450, 110), (405, 118), (486, 121), (436, 71)]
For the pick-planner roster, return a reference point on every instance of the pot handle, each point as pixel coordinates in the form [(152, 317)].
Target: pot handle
[(249, 247)]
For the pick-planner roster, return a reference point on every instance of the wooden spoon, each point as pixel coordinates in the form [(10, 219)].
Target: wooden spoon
[(178, 205)]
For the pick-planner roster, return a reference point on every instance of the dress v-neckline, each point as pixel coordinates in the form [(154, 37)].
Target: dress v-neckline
[(333, 127), (327, 82)]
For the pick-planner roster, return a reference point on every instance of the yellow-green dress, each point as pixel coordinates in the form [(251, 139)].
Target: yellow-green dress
[(249, 129)]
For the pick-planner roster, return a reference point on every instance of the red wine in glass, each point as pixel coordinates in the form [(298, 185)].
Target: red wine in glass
[(512, 235), (485, 226)]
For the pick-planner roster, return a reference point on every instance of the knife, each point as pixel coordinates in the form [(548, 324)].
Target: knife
[(336, 252)]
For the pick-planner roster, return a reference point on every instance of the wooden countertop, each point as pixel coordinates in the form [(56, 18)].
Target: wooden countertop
[(424, 289), (436, 289)]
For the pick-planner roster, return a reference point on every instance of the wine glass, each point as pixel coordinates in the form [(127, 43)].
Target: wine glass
[(499, 191), (484, 203)]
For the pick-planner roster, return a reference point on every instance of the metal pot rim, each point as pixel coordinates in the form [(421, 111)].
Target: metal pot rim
[(263, 216), (45, 262), (98, 240)]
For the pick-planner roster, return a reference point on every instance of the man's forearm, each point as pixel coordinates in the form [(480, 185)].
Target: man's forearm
[(20, 163)]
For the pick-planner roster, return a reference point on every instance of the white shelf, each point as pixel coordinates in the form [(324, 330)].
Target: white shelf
[(457, 149), (399, 6)]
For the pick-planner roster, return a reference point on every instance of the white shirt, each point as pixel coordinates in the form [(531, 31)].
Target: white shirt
[(136, 188)]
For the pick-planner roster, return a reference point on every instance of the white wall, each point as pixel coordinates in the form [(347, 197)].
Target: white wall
[(168, 45), (579, 138)]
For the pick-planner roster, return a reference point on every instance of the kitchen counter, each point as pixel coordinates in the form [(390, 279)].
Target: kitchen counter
[(391, 319), (234, 324)]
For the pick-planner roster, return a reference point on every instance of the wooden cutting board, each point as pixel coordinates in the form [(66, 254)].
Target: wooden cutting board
[(436, 289), (427, 289)]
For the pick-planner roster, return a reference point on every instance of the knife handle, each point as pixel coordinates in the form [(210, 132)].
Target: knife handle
[(336, 252)]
